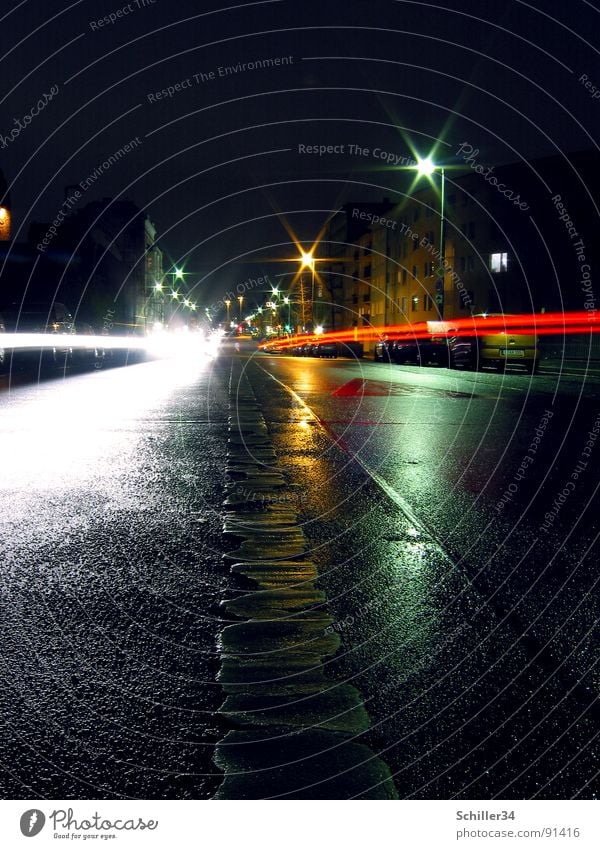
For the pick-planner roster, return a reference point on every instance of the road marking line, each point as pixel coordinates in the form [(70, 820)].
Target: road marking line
[(394, 496)]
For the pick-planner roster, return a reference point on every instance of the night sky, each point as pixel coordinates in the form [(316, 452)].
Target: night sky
[(218, 162)]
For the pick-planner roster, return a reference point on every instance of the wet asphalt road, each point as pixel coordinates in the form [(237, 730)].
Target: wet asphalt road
[(467, 625), (110, 492), (469, 619)]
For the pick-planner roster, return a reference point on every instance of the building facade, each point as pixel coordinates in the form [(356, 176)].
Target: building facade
[(501, 249)]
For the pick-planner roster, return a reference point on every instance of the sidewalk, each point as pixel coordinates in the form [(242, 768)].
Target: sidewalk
[(570, 365)]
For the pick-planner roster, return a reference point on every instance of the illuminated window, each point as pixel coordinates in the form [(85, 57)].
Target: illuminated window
[(414, 303), (498, 262)]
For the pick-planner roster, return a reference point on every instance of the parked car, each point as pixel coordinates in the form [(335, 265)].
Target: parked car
[(382, 350), (499, 348), (434, 351), (406, 352), (38, 317), (326, 349), (351, 349)]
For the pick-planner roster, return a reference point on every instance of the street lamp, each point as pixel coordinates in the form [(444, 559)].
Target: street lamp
[(227, 305), (308, 261), (426, 168), (241, 301)]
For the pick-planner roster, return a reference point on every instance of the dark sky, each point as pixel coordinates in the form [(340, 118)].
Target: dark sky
[(219, 160)]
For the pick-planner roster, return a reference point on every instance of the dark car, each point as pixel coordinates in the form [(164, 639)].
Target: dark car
[(351, 349), (434, 351), (406, 352), (38, 317), (326, 349), (382, 350)]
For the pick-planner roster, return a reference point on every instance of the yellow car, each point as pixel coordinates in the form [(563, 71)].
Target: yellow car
[(498, 348)]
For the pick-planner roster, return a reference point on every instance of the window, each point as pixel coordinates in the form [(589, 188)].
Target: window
[(366, 297), (428, 210), (471, 263), (414, 272), (414, 303), (431, 237), (428, 303), (498, 262), (463, 264), (428, 269), (404, 276), (404, 305), (367, 271), (416, 213)]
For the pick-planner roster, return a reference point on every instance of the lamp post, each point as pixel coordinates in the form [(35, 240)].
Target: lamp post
[(426, 168), (228, 307), (241, 302), (308, 261), (288, 303)]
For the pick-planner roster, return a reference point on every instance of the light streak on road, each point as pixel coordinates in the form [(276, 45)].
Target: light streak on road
[(585, 322), (158, 343)]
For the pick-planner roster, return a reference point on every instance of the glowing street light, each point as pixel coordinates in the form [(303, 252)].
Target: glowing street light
[(308, 261), (288, 304), (241, 302), (227, 305), (178, 273), (426, 168), (158, 286)]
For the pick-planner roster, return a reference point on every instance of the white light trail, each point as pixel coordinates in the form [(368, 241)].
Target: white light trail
[(25, 341), (159, 343)]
